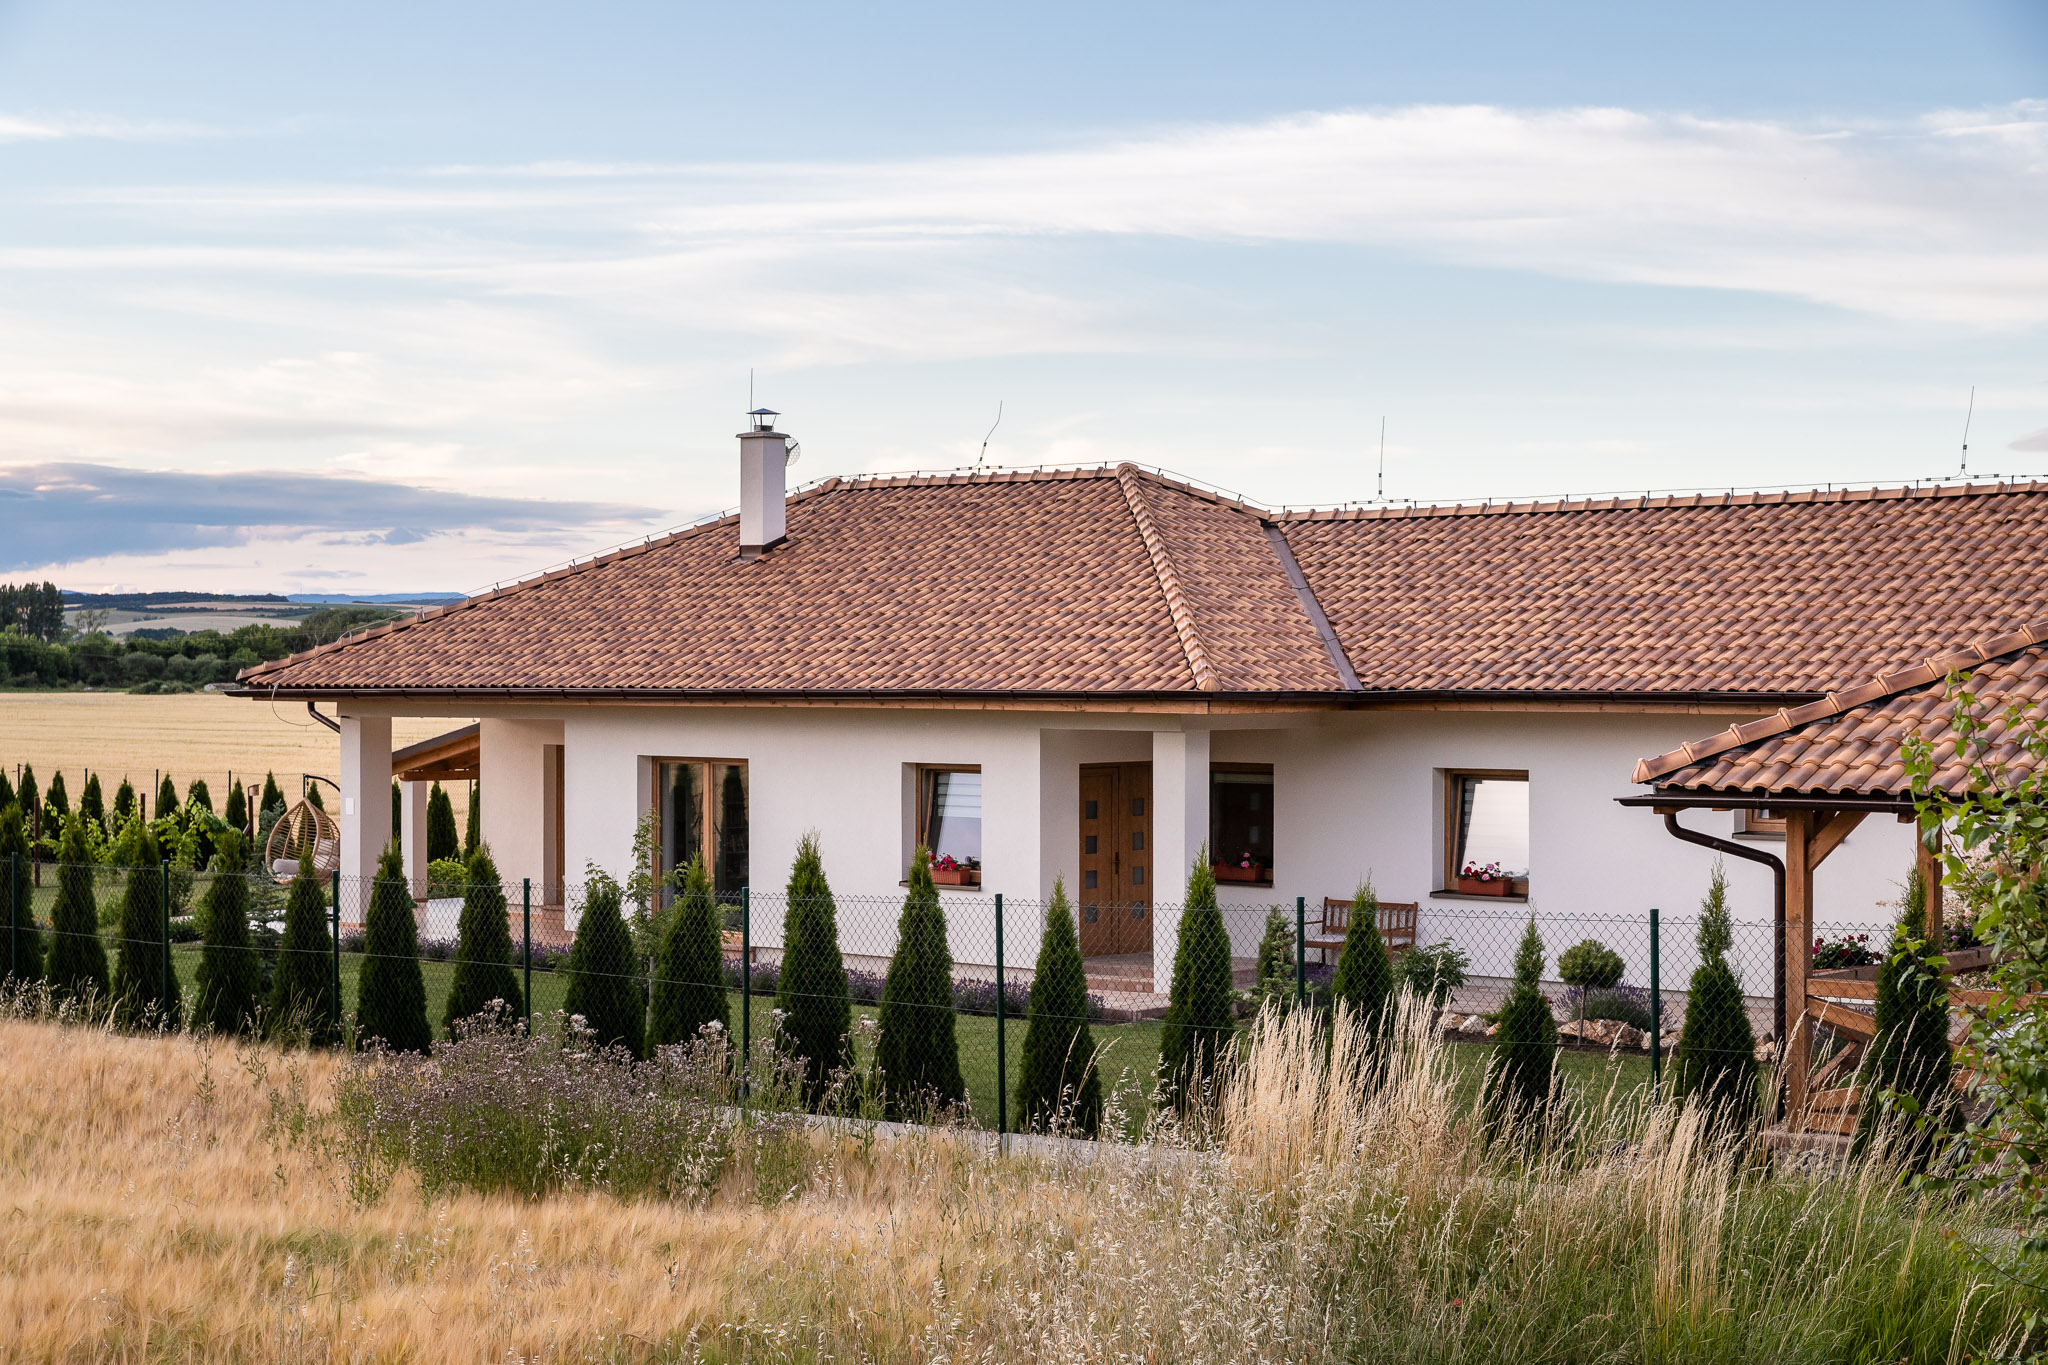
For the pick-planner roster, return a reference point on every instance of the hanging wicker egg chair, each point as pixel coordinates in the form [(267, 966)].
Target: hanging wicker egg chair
[(303, 829)]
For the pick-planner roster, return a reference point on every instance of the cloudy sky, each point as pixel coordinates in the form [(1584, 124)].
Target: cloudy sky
[(414, 297)]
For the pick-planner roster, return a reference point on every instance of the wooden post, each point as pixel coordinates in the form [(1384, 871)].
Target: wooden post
[(1930, 885), (1795, 1039)]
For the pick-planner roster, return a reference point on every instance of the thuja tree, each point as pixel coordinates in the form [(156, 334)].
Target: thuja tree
[(603, 987), (483, 948), (811, 991), (689, 962), (917, 1050), (1365, 974), (230, 976), (1058, 1088), (77, 964), (1715, 1064), (272, 796), (166, 796), (7, 796), (200, 795), (1273, 968), (124, 801), (236, 812), (1906, 1076), (473, 834), (145, 994), (442, 840), (1525, 1049), (21, 944), (92, 802), (57, 803), (391, 994), (302, 1002), (1198, 1009)]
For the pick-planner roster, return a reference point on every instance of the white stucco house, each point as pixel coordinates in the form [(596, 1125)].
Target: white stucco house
[(1092, 673)]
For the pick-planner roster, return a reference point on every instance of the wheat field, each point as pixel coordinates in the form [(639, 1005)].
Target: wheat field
[(195, 734)]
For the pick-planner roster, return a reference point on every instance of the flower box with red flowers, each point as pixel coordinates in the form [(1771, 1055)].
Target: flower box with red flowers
[(950, 871), (1489, 880)]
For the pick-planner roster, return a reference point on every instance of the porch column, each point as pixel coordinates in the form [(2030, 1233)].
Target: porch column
[(365, 805), (1180, 831), (1795, 1032), (515, 785), (1930, 884), (412, 826)]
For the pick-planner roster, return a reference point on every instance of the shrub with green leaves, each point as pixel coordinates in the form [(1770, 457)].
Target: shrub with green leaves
[(230, 977), (1906, 1075), (1590, 964), (76, 967), (1365, 976), (604, 989), (689, 962), (21, 943), (1058, 1086), (1715, 1062), (145, 994), (302, 1002), (811, 990), (1273, 966), (1432, 971), (918, 1051), (391, 992), (1197, 1030), (1525, 1048), (446, 877), (483, 948)]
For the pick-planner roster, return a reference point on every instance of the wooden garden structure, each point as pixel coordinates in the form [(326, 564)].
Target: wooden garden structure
[(1823, 768)]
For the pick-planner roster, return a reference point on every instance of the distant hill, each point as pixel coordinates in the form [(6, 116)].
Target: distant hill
[(147, 601)]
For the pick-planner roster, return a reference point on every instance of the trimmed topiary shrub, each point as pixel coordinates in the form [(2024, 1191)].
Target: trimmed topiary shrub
[(1058, 1088), (689, 958), (442, 839), (604, 988), (226, 995), (817, 1014), (1198, 1015), (483, 948), (21, 943), (1365, 974), (1715, 1062), (302, 1002), (76, 967), (144, 994), (1590, 964), (1525, 1049), (1906, 1076), (391, 993), (918, 1050)]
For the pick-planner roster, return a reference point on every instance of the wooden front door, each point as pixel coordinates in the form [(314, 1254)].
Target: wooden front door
[(1114, 900)]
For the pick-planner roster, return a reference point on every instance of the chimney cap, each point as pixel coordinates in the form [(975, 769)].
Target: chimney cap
[(764, 418)]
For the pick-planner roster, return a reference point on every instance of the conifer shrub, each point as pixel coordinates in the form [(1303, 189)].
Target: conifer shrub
[(689, 962), (200, 795), (1525, 1049), (124, 802), (272, 795), (473, 835), (604, 987), (483, 948), (1365, 974), (1058, 1087), (391, 994), (1715, 1061), (57, 804), (1198, 1010), (811, 990), (92, 802), (302, 1002), (1906, 1076), (21, 943), (442, 839), (917, 1050), (144, 994), (76, 967), (166, 797), (1273, 967), (227, 992), (313, 796), (236, 812), (7, 797), (31, 797)]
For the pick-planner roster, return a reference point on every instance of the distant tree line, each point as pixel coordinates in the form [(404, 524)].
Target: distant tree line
[(36, 654)]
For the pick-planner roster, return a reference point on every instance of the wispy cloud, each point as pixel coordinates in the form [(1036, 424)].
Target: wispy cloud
[(58, 127)]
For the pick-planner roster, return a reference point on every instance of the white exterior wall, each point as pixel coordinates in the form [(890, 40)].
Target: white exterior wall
[(515, 795)]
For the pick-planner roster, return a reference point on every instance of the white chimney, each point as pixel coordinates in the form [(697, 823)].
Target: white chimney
[(764, 462)]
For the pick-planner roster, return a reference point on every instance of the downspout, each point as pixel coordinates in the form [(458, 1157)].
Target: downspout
[(1777, 867), (327, 721)]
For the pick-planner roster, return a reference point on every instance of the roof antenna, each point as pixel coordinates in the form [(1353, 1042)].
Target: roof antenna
[(1380, 491), (750, 388), (991, 432), (1967, 415)]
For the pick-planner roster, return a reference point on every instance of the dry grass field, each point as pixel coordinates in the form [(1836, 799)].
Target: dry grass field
[(195, 734)]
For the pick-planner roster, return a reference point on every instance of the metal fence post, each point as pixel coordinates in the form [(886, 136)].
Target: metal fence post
[(1656, 1003), (334, 917), (163, 896), (1300, 950), (746, 984), (1002, 1037), (526, 935)]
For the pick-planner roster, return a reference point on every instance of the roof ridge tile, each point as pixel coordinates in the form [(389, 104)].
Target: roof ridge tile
[(1127, 477)]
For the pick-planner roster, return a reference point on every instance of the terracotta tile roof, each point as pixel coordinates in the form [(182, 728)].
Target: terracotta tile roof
[(1122, 581), (1851, 742)]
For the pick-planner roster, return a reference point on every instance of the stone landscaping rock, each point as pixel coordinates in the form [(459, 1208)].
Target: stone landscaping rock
[(1625, 1036), (1475, 1023)]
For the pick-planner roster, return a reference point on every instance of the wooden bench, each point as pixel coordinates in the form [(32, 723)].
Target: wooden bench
[(1396, 921)]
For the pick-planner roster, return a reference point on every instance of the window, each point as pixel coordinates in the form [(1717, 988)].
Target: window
[(949, 815), (1486, 825), (700, 809), (1760, 823), (1241, 822)]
